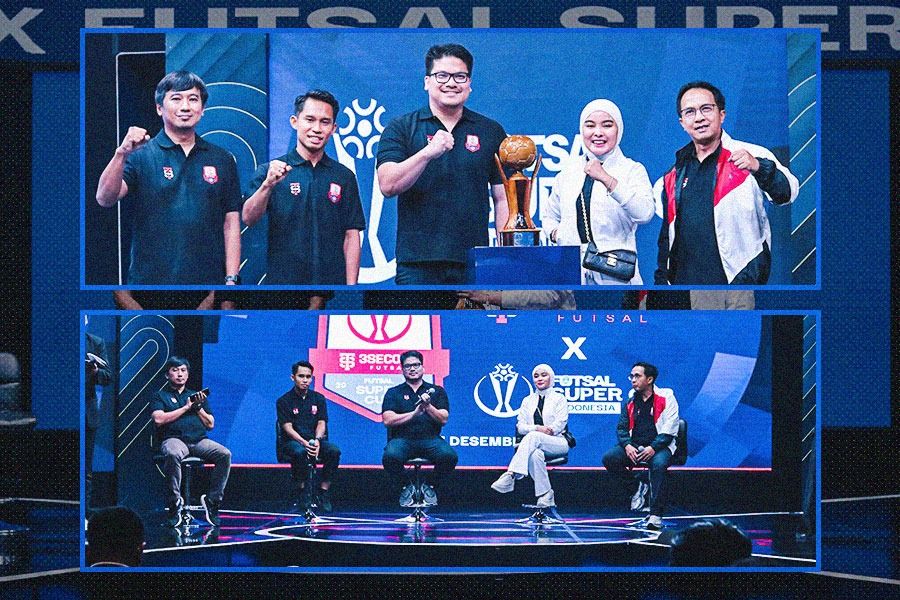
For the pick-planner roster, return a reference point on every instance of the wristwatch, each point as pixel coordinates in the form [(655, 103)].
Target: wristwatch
[(233, 278)]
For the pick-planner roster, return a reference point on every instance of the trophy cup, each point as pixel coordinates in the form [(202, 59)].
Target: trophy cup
[(517, 152)]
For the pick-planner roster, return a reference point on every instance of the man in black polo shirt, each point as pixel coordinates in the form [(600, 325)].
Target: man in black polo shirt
[(182, 418), (315, 214), (439, 161), (184, 192), (303, 418), (414, 413), (646, 434)]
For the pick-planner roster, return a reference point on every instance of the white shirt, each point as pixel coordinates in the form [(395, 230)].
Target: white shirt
[(614, 216)]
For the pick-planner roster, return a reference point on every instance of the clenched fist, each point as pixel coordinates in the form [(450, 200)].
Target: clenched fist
[(278, 170), (134, 139), (744, 160), (441, 143)]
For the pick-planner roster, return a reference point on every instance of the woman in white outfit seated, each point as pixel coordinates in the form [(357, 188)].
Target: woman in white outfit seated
[(542, 419), (601, 196)]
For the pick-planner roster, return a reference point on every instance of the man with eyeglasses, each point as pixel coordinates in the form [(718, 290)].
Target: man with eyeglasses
[(715, 230), (414, 413), (439, 162), (648, 425)]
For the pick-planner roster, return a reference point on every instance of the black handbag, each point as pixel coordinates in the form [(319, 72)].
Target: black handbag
[(570, 439), (618, 264)]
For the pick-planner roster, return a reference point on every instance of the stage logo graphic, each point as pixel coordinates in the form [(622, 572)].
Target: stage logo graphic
[(355, 142), (358, 356), (503, 385)]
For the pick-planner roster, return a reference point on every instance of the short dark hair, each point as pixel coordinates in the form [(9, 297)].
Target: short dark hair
[(411, 354), (115, 534), (710, 543), (302, 363), (442, 50), (321, 96), (718, 96), (177, 361), (179, 81), (649, 370)]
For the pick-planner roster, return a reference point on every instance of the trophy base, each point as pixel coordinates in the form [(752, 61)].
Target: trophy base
[(520, 237)]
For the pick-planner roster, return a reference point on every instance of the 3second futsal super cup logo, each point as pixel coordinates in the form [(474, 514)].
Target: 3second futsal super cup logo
[(358, 356)]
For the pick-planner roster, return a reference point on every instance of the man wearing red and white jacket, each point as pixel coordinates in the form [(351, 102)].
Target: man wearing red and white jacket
[(646, 431), (715, 230)]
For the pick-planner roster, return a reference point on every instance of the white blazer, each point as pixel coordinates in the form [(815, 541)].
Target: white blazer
[(555, 413)]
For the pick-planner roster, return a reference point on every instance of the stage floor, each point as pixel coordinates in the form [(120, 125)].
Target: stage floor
[(463, 540)]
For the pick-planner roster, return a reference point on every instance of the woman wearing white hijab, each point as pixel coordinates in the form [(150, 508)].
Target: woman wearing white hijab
[(616, 189), (542, 419)]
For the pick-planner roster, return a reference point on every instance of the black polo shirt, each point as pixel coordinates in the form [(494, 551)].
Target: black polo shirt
[(644, 431), (445, 213), (309, 211), (179, 204), (695, 251), (402, 399), (302, 412), (188, 427)]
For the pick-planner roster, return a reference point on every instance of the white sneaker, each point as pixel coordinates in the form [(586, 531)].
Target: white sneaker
[(505, 483), (547, 500), (639, 499)]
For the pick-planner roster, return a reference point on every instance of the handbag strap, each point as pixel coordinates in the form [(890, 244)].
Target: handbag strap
[(587, 222)]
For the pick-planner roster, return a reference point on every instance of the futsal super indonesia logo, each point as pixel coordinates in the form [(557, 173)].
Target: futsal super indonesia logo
[(359, 356), (355, 142)]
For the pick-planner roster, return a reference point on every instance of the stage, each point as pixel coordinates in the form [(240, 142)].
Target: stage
[(367, 540)]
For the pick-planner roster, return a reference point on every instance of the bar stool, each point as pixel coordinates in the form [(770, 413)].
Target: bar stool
[(420, 508)]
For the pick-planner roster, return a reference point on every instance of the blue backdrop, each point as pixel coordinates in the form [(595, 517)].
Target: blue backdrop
[(534, 82), (718, 365)]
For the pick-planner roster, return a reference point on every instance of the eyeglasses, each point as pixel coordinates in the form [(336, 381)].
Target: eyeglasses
[(444, 77), (412, 365), (633, 376), (705, 110)]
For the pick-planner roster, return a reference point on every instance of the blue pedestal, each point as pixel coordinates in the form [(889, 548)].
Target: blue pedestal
[(537, 266)]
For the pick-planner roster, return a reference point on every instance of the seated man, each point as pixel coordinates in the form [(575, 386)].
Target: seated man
[(182, 418), (115, 538), (302, 417), (414, 413), (646, 430)]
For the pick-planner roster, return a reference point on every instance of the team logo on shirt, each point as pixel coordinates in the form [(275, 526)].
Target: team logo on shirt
[(295, 188), (209, 174), (314, 409), (168, 172), (472, 143), (295, 410), (334, 193)]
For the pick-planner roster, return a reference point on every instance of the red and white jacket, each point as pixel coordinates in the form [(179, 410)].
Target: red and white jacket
[(665, 414), (739, 213)]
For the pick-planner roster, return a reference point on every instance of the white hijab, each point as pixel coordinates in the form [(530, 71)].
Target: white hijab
[(544, 367), (610, 108)]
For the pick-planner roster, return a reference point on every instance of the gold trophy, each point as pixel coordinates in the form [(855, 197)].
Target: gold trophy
[(518, 152)]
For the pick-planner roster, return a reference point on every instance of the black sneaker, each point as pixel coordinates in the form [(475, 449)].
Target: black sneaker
[(173, 516), (406, 496), (429, 496), (212, 510), (325, 501)]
